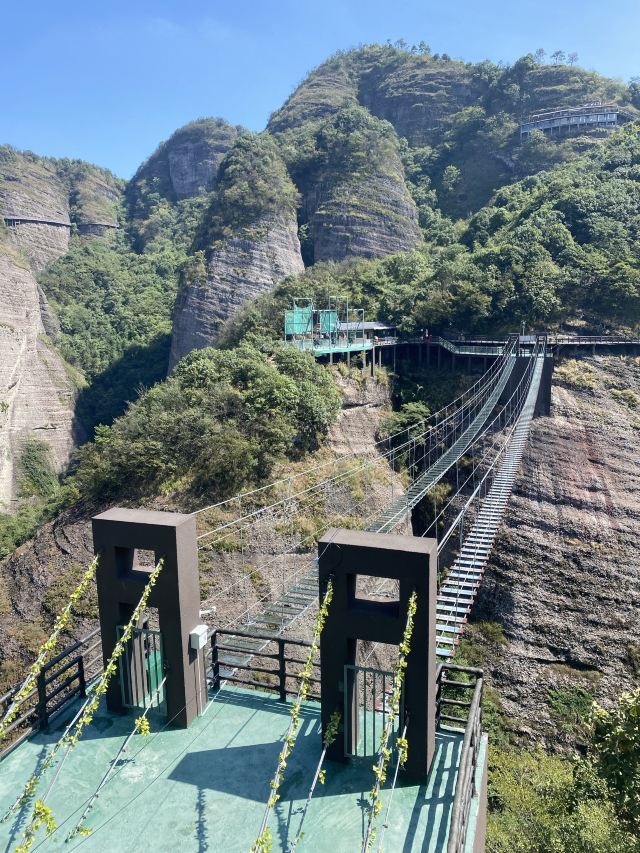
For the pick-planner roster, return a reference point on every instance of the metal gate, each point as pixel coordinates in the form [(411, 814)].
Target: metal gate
[(367, 706), (142, 669)]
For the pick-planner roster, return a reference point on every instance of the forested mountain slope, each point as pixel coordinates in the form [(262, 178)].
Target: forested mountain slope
[(396, 178), (393, 176)]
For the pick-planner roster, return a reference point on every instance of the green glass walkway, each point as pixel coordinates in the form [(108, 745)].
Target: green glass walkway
[(204, 788)]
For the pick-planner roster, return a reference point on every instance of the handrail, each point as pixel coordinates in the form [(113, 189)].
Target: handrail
[(465, 782), (246, 662), (37, 713)]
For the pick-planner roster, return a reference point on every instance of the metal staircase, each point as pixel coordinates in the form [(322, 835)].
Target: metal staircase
[(459, 590)]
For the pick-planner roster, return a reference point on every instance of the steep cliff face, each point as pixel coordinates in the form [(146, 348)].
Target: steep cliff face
[(242, 268), (248, 242), (419, 95), (36, 393), (564, 577), (31, 189), (57, 194), (186, 165), (356, 201)]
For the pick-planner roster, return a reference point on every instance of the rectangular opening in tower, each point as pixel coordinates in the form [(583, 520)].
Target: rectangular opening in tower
[(369, 592)]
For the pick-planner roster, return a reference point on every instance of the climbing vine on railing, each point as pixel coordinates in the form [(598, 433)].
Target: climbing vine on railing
[(85, 716), (380, 768), (46, 650), (42, 814), (320, 775), (264, 840)]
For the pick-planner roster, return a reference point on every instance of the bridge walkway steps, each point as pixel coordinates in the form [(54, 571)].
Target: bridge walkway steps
[(460, 587)]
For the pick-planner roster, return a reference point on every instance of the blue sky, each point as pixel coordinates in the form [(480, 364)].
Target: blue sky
[(107, 81)]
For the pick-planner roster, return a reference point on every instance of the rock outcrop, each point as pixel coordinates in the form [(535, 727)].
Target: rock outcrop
[(355, 200), (241, 269), (36, 393), (564, 577), (186, 165), (366, 217), (31, 190), (248, 242), (418, 95), (42, 200)]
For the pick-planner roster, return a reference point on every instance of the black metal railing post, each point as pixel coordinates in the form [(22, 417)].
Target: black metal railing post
[(82, 681), (282, 671), (43, 717), (215, 663)]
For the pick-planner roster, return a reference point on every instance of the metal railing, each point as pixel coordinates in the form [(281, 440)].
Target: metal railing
[(451, 693), (60, 682), (586, 340), (229, 658), (468, 348)]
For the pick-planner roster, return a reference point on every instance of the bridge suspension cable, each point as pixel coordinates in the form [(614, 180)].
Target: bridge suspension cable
[(440, 421)]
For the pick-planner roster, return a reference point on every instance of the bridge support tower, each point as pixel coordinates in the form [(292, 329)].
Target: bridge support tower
[(343, 556)]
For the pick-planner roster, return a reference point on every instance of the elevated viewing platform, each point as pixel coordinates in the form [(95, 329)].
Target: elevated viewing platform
[(204, 788), (203, 776), (574, 120)]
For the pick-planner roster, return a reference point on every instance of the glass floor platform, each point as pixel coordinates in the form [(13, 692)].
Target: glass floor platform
[(204, 788)]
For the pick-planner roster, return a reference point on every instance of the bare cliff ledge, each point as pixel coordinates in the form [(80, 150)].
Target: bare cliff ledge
[(565, 580)]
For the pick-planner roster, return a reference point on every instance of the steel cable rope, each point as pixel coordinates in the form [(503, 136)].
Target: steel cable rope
[(290, 499), (310, 537), (297, 572), (112, 765), (392, 520), (451, 426), (275, 558), (513, 423), (148, 741), (496, 368), (510, 421), (385, 824), (446, 621), (520, 389), (341, 476), (469, 391)]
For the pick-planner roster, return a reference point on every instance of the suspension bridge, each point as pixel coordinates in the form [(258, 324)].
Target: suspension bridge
[(474, 447), (483, 433)]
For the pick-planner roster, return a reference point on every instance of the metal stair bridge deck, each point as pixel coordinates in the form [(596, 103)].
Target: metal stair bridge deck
[(403, 504), (279, 615), (458, 591)]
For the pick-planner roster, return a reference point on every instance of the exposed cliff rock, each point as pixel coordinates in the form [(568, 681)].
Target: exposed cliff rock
[(419, 95), (56, 194), (329, 88), (36, 393), (31, 189), (248, 242), (564, 577), (367, 217), (241, 269), (355, 199), (186, 165)]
